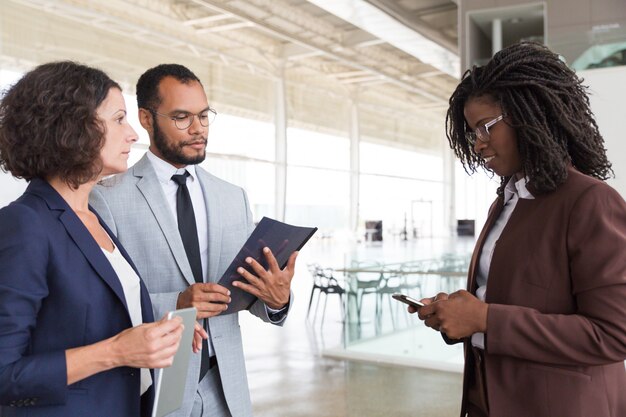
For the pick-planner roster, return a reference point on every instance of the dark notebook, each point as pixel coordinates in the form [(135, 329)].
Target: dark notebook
[(283, 239)]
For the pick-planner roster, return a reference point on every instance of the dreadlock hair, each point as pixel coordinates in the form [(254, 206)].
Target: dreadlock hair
[(547, 105)]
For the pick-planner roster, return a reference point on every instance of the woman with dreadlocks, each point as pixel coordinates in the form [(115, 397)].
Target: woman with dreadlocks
[(544, 315)]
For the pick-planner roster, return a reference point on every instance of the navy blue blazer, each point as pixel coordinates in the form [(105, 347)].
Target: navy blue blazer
[(58, 291)]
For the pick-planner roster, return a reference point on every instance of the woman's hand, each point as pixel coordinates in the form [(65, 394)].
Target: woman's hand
[(151, 345), (198, 334), (458, 315), (427, 301)]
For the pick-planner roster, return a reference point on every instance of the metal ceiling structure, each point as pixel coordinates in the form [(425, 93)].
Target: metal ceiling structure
[(252, 43)]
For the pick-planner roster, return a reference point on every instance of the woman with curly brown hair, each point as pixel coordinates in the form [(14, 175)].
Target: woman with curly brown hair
[(543, 319), (76, 337)]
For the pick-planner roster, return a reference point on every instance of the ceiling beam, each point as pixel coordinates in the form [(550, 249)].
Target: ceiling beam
[(293, 38), (207, 19)]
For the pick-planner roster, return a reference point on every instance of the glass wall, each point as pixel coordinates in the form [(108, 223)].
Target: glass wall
[(402, 188), (318, 180), (241, 151), (474, 195)]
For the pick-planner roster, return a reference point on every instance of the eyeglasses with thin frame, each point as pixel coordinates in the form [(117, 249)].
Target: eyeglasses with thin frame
[(482, 132), (182, 121)]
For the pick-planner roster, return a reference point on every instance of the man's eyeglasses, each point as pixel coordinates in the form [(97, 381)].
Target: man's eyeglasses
[(184, 120), (482, 132)]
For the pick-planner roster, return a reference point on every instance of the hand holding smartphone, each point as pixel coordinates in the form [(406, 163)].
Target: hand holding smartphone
[(408, 300)]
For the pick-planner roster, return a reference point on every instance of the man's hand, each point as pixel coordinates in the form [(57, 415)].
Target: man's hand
[(271, 286), (458, 315), (209, 299)]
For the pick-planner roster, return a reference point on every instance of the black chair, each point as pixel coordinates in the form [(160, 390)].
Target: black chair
[(324, 283)]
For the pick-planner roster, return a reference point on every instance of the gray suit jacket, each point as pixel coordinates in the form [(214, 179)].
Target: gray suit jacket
[(134, 207)]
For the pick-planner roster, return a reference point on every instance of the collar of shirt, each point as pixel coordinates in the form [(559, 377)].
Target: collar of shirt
[(164, 170), (517, 187)]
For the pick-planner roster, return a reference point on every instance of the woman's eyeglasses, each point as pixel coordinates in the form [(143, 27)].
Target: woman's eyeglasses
[(482, 132)]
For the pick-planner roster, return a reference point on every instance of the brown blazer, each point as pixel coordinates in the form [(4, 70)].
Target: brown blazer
[(556, 328)]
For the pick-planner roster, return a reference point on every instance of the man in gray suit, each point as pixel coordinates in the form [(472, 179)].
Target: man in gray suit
[(149, 208)]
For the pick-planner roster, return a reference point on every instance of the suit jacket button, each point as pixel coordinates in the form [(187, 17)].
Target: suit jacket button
[(131, 373)]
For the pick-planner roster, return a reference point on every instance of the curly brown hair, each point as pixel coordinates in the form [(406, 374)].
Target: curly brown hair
[(49, 126), (547, 105)]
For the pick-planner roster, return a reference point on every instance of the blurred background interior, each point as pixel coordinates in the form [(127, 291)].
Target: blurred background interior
[(331, 114)]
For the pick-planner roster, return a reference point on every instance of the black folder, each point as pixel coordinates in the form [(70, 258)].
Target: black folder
[(283, 239)]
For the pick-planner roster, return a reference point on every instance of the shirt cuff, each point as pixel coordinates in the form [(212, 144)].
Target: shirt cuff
[(276, 315)]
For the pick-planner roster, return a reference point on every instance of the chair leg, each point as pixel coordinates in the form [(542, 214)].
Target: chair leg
[(342, 308), (310, 302), (391, 312), (317, 304), (324, 310), (359, 303), (377, 312), (379, 307)]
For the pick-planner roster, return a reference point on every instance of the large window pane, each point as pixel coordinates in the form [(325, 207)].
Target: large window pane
[(403, 188), (256, 178), (243, 137), (474, 195), (318, 197), (305, 147), (399, 200), (385, 160)]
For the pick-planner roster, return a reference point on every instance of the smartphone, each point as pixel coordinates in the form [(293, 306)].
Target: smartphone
[(408, 300)]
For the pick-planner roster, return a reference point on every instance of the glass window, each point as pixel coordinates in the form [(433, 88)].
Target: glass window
[(256, 178), (242, 137), (318, 179), (474, 194), (308, 148), (386, 160), (402, 202), (318, 197)]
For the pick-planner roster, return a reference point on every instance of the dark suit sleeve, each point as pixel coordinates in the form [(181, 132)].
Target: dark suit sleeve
[(24, 376), (596, 333)]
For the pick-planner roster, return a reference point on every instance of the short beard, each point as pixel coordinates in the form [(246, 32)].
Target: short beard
[(172, 153)]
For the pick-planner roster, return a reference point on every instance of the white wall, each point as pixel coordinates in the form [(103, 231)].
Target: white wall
[(607, 87)]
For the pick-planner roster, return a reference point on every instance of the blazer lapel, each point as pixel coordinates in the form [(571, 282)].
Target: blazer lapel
[(88, 246), (494, 213), (80, 235), (214, 225), (148, 185)]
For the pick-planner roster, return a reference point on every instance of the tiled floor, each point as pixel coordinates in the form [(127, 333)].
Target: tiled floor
[(289, 376)]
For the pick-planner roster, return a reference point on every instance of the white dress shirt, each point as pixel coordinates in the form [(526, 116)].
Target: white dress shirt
[(132, 293), (513, 191)]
